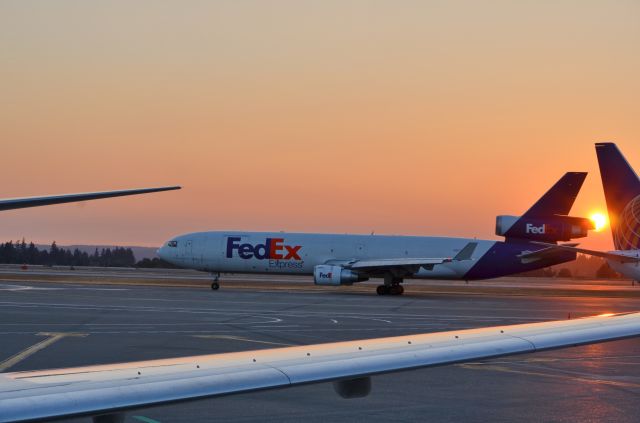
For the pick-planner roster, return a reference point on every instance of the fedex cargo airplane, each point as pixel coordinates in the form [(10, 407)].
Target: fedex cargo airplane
[(335, 259), (622, 192)]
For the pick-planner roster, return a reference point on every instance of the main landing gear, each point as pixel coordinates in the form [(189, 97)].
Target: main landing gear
[(215, 285), (391, 287)]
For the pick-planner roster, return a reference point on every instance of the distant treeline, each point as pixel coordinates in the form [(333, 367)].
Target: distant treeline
[(21, 252), (584, 267)]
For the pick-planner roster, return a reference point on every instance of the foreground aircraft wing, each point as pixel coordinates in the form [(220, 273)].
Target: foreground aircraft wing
[(615, 256), (111, 389), (21, 203), (410, 265)]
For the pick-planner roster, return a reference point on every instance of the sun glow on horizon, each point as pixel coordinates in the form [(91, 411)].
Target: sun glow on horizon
[(599, 220)]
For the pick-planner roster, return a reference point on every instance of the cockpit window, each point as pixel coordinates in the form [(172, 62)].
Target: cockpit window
[(172, 244)]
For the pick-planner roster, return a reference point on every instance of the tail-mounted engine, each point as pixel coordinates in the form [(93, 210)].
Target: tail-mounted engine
[(549, 229), (325, 274)]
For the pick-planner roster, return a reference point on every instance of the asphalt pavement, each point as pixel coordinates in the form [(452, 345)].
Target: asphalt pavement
[(48, 325)]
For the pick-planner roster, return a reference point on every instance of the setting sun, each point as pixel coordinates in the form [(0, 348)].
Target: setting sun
[(599, 220)]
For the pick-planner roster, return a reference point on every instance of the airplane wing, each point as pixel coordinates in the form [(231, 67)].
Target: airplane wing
[(21, 203), (615, 256), (408, 265), (109, 390)]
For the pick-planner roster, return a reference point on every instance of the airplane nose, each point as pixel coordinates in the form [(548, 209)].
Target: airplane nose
[(168, 251)]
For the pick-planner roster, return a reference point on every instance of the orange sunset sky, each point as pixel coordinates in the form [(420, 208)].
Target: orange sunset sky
[(402, 117)]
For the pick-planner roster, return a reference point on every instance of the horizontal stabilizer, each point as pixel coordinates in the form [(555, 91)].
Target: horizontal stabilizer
[(548, 252), (629, 256)]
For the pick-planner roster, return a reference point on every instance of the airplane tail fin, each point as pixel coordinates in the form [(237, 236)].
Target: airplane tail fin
[(548, 218), (622, 193), (560, 198)]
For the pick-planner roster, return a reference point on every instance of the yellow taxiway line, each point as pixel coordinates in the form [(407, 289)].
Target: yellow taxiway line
[(52, 337)]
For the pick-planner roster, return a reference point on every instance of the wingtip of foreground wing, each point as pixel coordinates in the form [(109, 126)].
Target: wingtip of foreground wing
[(149, 190), (130, 191), (20, 203), (170, 188)]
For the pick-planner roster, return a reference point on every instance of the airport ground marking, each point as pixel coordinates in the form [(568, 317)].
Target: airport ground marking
[(240, 338), (52, 337), (146, 419), (585, 379), (145, 309)]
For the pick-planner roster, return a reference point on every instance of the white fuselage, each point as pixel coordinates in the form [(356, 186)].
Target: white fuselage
[(630, 270), (299, 253)]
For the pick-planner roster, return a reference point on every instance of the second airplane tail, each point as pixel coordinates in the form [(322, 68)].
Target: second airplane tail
[(622, 193)]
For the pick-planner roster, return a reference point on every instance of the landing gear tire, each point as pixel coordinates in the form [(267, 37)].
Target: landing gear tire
[(390, 289), (396, 290), (215, 286)]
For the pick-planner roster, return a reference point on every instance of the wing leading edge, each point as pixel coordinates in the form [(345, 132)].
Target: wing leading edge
[(96, 390), (21, 203)]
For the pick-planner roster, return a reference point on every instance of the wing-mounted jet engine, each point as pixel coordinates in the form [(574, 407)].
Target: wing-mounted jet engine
[(326, 274)]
